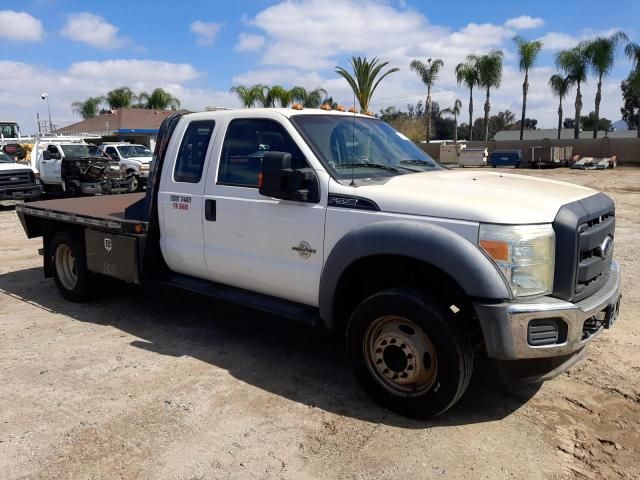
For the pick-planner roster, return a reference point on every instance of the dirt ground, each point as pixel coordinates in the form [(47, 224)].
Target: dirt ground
[(160, 384)]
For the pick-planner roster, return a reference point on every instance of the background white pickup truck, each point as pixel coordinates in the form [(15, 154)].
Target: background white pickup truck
[(136, 158), (337, 220)]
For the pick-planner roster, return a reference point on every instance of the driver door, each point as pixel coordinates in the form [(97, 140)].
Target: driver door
[(254, 242)]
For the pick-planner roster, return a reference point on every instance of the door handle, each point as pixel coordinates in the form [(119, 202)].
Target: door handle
[(210, 210)]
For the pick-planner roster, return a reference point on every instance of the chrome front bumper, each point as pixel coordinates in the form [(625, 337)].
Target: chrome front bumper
[(505, 326)]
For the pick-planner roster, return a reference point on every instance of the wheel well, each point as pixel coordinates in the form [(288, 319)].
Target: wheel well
[(372, 274)]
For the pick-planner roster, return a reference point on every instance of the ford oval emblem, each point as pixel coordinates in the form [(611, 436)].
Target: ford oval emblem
[(606, 246)]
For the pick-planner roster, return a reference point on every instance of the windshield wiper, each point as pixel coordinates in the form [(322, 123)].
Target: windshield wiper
[(370, 165), (419, 162)]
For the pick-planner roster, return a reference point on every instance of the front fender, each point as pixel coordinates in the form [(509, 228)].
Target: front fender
[(463, 261)]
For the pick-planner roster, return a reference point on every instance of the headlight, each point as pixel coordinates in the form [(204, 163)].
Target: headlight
[(524, 253)]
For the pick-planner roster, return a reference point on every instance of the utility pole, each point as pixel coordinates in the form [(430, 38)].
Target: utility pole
[(45, 96)]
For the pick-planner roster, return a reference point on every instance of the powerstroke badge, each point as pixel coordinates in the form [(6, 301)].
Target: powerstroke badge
[(108, 245), (304, 250)]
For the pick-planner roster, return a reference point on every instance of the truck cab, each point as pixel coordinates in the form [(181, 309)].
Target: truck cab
[(17, 181), (338, 220), (136, 158)]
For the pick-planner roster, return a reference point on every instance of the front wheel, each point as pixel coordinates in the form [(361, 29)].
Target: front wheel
[(409, 353)]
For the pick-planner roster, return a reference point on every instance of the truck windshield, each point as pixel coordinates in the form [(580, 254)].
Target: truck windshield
[(129, 151), (357, 147), (4, 158), (76, 151)]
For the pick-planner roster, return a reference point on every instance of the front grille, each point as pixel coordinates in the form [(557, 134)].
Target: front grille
[(584, 246), (595, 250), (16, 178)]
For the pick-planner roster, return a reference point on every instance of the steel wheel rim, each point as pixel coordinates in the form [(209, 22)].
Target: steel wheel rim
[(400, 355), (66, 267)]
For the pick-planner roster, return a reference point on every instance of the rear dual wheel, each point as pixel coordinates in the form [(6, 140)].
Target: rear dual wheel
[(69, 263), (409, 353)]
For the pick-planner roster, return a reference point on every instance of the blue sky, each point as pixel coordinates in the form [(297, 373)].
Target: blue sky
[(73, 49)]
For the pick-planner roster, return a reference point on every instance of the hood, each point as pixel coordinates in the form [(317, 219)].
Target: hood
[(477, 196), (7, 167)]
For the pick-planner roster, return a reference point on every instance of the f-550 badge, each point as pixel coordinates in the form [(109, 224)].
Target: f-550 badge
[(304, 250)]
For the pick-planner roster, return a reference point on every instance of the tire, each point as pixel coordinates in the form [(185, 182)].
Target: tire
[(69, 264), (414, 327), (136, 185)]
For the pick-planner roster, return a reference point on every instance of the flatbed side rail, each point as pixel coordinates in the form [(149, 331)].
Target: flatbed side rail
[(114, 225)]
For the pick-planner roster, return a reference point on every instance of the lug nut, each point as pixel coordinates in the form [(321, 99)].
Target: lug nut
[(393, 340), (378, 350), (384, 342), (404, 375), (386, 370), (395, 376), (410, 367), (409, 356), (379, 361), (403, 345)]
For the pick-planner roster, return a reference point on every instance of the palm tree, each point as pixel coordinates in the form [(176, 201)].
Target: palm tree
[(560, 87), (248, 95), (365, 78), (490, 75), (89, 108), (575, 64), (278, 94), (122, 97), (527, 54), (601, 54), (467, 73), (159, 99), (632, 50), (428, 73), (455, 111), (308, 98)]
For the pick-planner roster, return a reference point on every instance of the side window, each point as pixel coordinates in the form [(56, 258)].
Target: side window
[(111, 151), (52, 149), (245, 142), (193, 151)]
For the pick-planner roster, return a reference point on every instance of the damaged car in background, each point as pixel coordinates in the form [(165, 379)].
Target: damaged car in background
[(76, 168)]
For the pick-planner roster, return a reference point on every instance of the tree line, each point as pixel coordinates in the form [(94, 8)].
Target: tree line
[(590, 57), (124, 97), (278, 96)]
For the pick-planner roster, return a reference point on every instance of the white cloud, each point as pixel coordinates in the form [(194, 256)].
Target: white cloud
[(22, 84), (134, 70), (93, 30), (559, 41), (20, 26), (248, 42), (524, 22), (205, 31)]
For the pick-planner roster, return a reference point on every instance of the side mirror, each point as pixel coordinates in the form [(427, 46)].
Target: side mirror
[(278, 179), (47, 155)]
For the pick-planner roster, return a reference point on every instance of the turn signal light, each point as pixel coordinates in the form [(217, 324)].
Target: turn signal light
[(353, 110), (340, 108), (496, 250), (260, 180), (326, 106), (297, 106)]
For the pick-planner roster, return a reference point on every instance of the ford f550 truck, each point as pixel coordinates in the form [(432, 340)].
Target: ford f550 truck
[(337, 220)]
